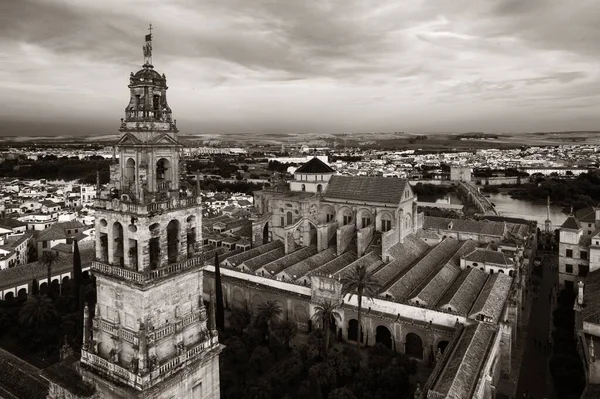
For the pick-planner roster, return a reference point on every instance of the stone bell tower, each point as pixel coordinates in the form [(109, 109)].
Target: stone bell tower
[(148, 335)]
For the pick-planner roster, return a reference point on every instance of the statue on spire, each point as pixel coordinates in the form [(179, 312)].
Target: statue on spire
[(147, 49)]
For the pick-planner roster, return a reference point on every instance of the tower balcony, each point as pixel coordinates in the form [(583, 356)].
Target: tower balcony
[(120, 205), (144, 379), (147, 276)]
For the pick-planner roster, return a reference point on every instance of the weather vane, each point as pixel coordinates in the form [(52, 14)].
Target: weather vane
[(148, 48)]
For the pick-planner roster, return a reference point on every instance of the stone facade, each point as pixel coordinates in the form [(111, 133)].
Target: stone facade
[(148, 335)]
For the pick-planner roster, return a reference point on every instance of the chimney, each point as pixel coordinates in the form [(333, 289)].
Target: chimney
[(580, 293)]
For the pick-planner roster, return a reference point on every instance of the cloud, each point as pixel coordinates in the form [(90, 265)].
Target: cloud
[(273, 66)]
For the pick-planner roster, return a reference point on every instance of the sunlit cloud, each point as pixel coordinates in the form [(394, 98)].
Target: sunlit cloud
[(292, 66)]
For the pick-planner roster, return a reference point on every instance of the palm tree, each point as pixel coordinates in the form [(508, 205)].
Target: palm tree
[(269, 312), (325, 315), (362, 283), (49, 258), (38, 311)]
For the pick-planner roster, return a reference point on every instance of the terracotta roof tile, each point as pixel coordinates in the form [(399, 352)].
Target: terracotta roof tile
[(335, 265), (366, 189), (467, 226), (464, 291), (492, 297), (459, 377), (278, 265), (301, 268), (591, 298), (238, 259), (259, 261), (488, 256), (571, 223), (316, 166), (417, 274)]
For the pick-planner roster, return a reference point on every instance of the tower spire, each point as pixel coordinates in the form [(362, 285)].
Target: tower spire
[(548, 208), (147, 49)]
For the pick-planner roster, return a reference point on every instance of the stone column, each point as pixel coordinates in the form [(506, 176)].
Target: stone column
[(110, 244), (400, 224), (125, 238), (182, 240), (98, 242)]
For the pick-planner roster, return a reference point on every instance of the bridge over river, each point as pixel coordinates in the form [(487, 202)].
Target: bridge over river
[(476, 199)]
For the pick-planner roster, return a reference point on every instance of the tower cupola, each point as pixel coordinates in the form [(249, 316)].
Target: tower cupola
[(148, 109)]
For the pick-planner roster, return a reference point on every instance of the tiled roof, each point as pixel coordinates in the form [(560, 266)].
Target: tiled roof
[(336, 264), (301, 268), (433, 289), (464, 291), (242, 257), (370, 261), (64, 248), (488, 256), (492, 297), (405, 254), (25, 273), (366, 189), (276, 266), (315, 165), (571, 223), (435, 259), (467, 247), (430, 234), (257, 262), (587, 215), (459, 377), (52, 233), (466, 226), (9, 222), (591, 298)]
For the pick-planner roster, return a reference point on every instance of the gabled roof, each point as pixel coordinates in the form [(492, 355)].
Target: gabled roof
[(571, 223), (72, 224), (488, 256), (316, 166), (387, 190), (590, 311), (52, 233), (9, 222), (587, 215), (466, 226)]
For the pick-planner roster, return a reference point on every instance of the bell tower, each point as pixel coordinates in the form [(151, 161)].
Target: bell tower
[(149, 335)]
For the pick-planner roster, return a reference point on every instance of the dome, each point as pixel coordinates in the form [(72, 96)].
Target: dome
[(148, 75)]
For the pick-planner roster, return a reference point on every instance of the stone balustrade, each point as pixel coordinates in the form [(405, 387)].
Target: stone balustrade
[(144, 277), (141, 380), (116, 330), (146, 208)]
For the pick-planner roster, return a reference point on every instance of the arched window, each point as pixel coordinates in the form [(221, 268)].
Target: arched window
[(304, 187), (319, 188), (289, 218)]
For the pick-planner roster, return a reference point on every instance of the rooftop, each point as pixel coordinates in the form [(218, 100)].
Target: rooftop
[(314, 166), (366, 189)]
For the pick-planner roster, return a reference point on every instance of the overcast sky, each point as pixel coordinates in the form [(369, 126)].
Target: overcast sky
[(236, 66)]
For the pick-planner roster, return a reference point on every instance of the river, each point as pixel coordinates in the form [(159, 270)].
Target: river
[(511, 207)]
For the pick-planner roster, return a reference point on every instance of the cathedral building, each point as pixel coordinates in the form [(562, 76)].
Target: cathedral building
[(149, 334), (450, 290)]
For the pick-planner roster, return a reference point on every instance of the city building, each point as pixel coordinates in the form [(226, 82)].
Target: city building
[(149, 334), (579, 246), (460, 173)]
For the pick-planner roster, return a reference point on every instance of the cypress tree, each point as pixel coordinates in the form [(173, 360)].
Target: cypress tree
[(35, 287), (78, 292), (77, 273), (220, 310)]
